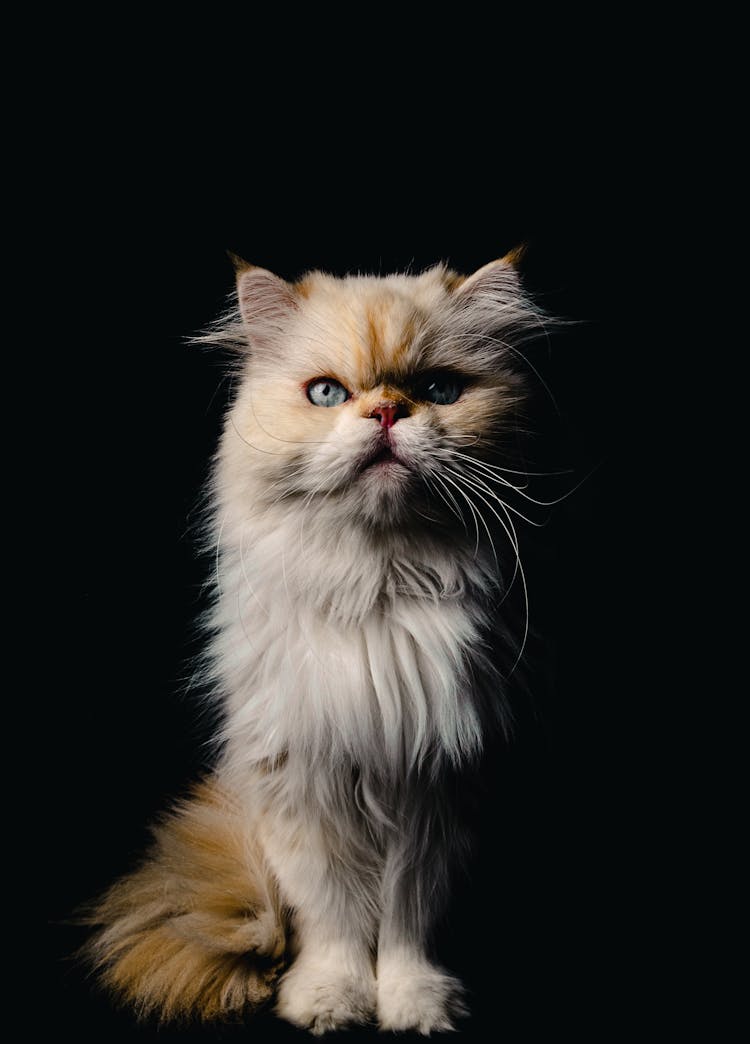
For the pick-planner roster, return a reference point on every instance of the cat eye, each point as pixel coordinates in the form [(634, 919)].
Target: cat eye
[(326, 392), (440, 388)]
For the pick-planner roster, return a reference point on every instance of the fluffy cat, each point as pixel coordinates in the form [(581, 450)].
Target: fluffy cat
[(356, 649)]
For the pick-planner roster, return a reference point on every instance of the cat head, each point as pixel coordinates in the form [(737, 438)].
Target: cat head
[(367, 398)]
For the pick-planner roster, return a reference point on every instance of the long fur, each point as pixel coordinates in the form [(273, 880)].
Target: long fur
[(197, 929), (357, 654)]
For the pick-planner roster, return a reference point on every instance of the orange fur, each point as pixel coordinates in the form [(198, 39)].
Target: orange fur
[(303, 287), (391, 328), (367, 401), (197, 930), (452, 280), (515, 256), (239, 264), (406, 340)]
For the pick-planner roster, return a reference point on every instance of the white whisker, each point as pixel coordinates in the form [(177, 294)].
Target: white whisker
[(510, 531), (259, 449), (512, 471), (277, 438), (217, 554), (454, 507), (488, 468), (520, 355), (478, 478), (477, 515)]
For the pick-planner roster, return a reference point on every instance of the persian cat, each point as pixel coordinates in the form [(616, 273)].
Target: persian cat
[(357, 649)]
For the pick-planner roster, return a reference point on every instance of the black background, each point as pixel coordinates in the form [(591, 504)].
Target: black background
[(542, 930)]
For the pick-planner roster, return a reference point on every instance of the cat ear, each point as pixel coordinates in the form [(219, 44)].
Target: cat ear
[(501, 274), (493, 299), (265, 300)]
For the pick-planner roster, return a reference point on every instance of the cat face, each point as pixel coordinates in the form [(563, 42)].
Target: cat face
[(364, 396)]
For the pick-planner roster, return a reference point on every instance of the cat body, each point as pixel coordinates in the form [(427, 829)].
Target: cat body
[(355, 650)]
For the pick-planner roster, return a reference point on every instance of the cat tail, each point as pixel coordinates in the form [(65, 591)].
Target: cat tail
[(196, 932)]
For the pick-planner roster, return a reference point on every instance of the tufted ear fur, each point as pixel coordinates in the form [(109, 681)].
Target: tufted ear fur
[(496, 276), (266, 301), (493, 299)]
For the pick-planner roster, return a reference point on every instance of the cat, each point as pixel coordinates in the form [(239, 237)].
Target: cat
[(354, 648)]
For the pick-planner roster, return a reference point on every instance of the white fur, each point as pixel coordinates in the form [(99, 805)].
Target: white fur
[(329, 987), (416, 995), (351, 636)]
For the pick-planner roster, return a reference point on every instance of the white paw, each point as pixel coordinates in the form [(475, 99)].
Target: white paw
[(320, 996), (415, 995)]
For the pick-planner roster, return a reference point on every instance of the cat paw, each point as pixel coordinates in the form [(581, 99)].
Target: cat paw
[(415, 995), (319, 997)]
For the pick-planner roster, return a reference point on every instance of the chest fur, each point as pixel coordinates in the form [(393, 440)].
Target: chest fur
[(378, 659), (396, 685)]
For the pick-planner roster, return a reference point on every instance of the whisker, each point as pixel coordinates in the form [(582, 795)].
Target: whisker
[(477, 515), (271, 453), (512, 471), (508, 507), (217, 555), (520, 355), (510, 531), (455, 508), (478, 490), (277, 438), (518, 489), (474, 439)]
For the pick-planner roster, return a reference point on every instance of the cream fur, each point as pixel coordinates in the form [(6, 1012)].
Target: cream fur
[(354, 620)]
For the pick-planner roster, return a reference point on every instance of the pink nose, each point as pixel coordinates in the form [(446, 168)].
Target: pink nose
[(387, 413)]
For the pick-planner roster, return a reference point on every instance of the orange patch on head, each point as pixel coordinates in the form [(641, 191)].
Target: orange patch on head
[(376, 333), (405, 341), (388, 337)]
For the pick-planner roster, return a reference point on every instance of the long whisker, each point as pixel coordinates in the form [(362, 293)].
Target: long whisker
[(533, 500), (217, 554), (451, 503), (523, 358), (512, 471), (524, 587), (485, 469), (271, 453), (478, 489), (477, 515), (277, 438), (481, 484), (510, 531), (474, 438)]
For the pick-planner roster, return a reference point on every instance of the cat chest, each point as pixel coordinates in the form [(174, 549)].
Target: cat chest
[(406, 647), (399, 681)]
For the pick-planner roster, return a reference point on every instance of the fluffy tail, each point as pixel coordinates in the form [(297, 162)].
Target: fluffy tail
[(197, 930)]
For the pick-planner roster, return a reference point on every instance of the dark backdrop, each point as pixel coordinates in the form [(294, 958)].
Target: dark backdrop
[(540, 928)]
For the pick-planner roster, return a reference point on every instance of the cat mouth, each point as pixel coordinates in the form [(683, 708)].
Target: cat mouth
[(382, 457)]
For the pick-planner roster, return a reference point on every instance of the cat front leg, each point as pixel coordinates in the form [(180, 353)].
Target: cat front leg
[(330, 985), (331, 891), (414, 993)]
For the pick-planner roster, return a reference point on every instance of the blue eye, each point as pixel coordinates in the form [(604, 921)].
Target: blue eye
[(326, 392), (440, 388)]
